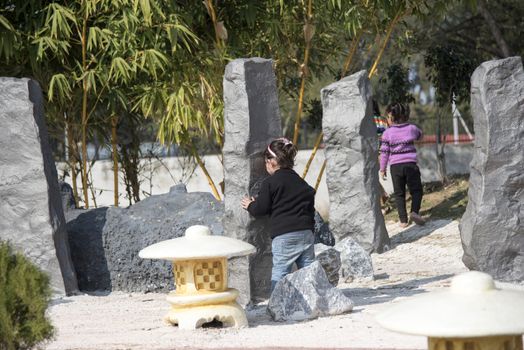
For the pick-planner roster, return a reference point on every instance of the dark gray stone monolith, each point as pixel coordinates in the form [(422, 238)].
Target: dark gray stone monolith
[(252, 120), (31, 214), (492, 228), (352, 168)]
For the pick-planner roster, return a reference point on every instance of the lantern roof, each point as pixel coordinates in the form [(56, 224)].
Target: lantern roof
[(471, 307), (197, 243)]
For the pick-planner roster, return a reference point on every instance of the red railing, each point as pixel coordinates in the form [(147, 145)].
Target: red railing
[(462, 138)]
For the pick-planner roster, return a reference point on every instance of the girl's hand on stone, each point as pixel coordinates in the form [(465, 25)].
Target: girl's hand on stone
[(383, 175), (246, 201)]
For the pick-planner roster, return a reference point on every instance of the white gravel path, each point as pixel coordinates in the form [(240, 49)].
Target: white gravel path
[(421, 259)]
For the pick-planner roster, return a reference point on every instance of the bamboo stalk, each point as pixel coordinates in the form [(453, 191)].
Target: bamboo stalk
[(304, 68), (206, 173), (211, 10), (73, 158), (84, 114), (114, 123), (320, 174), (395, 20), (352, 51), (315, 148)]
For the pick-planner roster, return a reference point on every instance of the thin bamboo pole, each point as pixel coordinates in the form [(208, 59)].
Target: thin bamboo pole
[(320, 174), (206, 173), (304, 68), (352, 51), (317, 144), (347, 63), (114, 123), (84, 112), (395, 20), (73, 157), (212, 13)]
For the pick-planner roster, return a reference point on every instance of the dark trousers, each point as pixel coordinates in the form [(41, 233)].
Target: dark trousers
[(406, 174)]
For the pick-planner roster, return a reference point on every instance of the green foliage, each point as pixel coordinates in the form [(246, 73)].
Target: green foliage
[(395, 86), (24, 297), (450, 72)]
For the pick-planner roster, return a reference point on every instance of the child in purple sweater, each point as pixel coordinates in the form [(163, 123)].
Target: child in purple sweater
[(398, 150)]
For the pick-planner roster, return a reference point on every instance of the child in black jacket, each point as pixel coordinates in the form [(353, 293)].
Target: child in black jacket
[(290, 203)]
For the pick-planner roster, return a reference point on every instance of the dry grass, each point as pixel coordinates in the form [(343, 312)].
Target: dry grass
[(439, 201)]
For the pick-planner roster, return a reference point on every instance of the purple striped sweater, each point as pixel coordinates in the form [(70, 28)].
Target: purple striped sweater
[(397, 145)]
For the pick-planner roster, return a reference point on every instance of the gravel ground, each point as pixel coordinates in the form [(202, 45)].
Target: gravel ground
[(421, 259)]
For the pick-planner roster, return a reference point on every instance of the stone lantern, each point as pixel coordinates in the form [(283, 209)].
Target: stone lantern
[(200, 271), (470, 315)]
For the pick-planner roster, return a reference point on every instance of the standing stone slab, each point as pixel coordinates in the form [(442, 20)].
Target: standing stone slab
[(352, 163), (31, 214), (252, 120), (492, 228)]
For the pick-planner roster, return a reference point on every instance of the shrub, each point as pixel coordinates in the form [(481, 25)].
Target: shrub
[(24, 297)]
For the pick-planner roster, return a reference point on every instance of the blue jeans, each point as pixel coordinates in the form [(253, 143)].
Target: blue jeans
[(289, 248)]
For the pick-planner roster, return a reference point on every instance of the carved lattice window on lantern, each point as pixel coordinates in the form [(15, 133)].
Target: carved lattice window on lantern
[(208, 276), (180, 277)]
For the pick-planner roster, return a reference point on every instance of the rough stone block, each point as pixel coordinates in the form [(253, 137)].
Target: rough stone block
[(352, 163), (322, 232), (329, 258), (307, 294), (105, 242), (252, 120), (355, 261), (492, 228)]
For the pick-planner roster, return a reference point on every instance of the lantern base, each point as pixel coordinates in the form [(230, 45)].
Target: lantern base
[(230, 314), (509, 342)]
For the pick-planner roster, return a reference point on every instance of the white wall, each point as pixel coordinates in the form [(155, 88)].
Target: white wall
[(159, 176)]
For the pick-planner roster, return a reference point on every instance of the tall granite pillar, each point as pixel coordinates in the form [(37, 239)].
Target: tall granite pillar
[(31, 214), (492, 228), (252, 120), (352, 168)]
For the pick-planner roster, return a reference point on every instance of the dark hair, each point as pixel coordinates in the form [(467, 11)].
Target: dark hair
[(399, 112), (283, 150)]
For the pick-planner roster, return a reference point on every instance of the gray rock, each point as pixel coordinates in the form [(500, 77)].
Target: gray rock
[(322, 232), (251, 121), (355, 261), (329, 258), (105, 242), (307, 294), (352, 163), (68, 198), (31, 214), (492, 228)]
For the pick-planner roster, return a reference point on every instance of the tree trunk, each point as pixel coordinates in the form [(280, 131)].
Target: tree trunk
[(73, 157), (84, 113), (439, 148), (494, 28), (385, 43), (308, 34), (130, 158), (114, 148)]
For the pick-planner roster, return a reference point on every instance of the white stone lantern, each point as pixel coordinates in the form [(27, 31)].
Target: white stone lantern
[(470, 315), (200, 271)]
